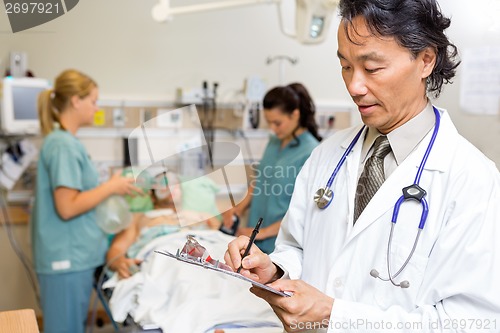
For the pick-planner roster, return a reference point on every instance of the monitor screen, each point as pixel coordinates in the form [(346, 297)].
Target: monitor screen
[(25, 102), (19, 108)]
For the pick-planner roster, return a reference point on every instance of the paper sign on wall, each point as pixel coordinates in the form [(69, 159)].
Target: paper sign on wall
[(480, 86)]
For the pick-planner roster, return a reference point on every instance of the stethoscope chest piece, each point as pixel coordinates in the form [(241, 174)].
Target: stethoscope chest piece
[(323, 197)]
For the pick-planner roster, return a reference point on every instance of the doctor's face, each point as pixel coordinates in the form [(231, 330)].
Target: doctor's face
[(383, 78)]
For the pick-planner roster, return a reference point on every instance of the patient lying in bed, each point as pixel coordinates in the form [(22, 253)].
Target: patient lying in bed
[(172, 295), (175, 208)]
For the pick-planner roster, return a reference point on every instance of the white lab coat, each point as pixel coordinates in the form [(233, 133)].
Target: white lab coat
[(455, 269)]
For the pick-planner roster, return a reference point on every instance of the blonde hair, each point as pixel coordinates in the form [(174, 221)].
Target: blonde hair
[(52, 102)]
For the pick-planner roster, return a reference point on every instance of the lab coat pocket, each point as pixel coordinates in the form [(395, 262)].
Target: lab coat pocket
[(386, 294)]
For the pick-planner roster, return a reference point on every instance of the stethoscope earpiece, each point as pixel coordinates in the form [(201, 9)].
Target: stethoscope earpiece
[(403, 284)]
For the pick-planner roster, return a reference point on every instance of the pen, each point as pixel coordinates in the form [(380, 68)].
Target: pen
[(252, 240)]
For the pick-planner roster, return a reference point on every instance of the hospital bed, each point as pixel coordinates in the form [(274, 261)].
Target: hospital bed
[(177, 297)]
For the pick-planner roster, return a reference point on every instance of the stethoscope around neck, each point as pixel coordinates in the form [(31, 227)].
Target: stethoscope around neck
[(324, 197)]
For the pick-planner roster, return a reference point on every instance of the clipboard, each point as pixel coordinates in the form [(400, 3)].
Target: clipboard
[(217, 269)]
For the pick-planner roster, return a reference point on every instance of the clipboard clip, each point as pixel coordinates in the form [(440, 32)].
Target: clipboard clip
[(197, 254)]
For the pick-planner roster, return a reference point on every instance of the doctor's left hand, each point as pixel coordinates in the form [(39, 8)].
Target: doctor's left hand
[(307, 308)]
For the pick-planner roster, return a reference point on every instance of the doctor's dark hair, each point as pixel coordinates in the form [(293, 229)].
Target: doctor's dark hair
[(52, 102), (415, 25), (290, 98)]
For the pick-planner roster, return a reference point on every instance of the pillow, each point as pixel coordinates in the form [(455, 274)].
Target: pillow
[(199, 195)]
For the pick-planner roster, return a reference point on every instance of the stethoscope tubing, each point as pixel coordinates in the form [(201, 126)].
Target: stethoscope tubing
[(343, 158), (414, 192), (423, 217), (429, 147), (389, 246), (423, 201)]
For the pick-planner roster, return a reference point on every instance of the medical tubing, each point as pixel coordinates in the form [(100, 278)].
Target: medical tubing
[(151, 158), (429, 147), (93, 315), (99, 284), (247, 144), (342, 159), (389, 245), (25, 261)]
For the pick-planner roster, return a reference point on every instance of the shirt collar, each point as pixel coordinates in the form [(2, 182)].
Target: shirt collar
[(406, 137)]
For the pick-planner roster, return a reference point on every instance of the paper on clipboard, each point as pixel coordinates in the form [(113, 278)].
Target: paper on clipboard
[(217, 269)]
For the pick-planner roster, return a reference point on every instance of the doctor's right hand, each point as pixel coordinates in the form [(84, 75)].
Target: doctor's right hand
[(256, 265)]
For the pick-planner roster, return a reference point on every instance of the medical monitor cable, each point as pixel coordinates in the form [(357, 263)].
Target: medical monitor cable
[(235, 133), (25, 261), (99, 283), (247, 144)]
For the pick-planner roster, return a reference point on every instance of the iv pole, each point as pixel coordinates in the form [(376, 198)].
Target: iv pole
[(281, 59)]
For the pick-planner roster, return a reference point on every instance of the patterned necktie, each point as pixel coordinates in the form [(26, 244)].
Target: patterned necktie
[(372, 177)]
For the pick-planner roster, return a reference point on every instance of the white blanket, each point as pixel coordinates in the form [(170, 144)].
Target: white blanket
[(178, 297)]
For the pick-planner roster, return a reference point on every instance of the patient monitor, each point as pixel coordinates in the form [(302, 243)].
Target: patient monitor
[(19, 113)]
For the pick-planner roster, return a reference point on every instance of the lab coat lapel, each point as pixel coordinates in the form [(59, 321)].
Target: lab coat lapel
[(352, 170)]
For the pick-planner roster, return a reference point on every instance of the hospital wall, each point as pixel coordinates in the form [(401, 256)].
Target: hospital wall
[(133, 58)]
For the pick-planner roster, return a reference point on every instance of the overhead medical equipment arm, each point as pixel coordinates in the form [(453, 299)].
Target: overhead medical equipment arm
[(162, 11), (312, 18)]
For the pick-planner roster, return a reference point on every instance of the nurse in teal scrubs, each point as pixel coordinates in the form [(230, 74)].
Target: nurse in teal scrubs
[(67, 243), (289, 112)]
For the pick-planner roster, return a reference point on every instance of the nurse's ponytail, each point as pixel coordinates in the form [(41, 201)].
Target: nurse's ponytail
[(307, 109), (46, 112)]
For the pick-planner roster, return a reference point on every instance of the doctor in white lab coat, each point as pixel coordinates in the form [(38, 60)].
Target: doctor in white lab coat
[(324, 257)]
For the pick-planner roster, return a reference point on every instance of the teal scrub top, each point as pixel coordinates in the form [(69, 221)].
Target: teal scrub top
[(275, 180), (76, 244)]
